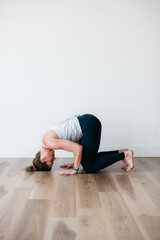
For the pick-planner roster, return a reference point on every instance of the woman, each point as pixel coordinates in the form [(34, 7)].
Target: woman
[(80, 134)]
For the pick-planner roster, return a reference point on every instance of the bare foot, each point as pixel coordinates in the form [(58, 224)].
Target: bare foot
[(123, 150), (128, 160)]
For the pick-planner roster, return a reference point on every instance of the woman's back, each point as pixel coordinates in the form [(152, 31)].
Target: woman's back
[(69, 129)]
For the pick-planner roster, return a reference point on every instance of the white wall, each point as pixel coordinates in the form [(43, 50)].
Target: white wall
[(60, 58)]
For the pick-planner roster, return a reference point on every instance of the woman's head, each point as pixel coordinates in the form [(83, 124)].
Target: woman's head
[(43, 161)]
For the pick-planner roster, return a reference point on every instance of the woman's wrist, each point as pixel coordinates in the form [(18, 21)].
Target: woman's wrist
[(75, 169), (77, 158)]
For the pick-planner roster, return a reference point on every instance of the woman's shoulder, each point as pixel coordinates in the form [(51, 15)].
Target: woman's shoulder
[(51, 133)]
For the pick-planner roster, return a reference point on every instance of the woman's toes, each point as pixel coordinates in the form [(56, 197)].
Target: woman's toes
[(124, 165), (129, 168)]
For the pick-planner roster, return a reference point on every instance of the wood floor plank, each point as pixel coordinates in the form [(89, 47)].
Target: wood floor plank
[(148, 187), (134, 197), (10, 172), (112, 204), (119, 217), (25, 179), (91, 224), (150, 225), (4, 166), (63, 197), (148, 164), (12, 211), (61, 229), (105, 183), (155, 176), (42, 188), (86, 191), (33, 221)]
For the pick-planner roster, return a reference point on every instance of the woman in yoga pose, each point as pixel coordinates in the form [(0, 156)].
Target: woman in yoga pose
[(80, 134)]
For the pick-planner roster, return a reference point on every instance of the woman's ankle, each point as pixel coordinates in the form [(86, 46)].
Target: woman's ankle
[(123, 150), (127, 154)]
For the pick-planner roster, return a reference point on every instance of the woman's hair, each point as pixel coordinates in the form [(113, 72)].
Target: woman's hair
[(37, 164)]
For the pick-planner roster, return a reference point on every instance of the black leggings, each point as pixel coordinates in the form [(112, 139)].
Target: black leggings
[(92, 160)]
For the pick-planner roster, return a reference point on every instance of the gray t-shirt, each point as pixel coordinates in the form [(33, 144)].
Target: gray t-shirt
[(69, 129)]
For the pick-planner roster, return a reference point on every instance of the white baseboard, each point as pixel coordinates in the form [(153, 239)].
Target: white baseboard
[(30, 151)]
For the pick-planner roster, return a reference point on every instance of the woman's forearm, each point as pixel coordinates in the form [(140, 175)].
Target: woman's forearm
[(77, 157)]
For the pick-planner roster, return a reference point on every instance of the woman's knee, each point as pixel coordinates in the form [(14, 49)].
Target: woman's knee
[(88, 170)]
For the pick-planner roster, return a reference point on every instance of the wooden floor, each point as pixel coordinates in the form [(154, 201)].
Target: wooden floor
[(112, 204)]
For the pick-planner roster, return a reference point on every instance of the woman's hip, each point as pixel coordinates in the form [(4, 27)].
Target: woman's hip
[(88, 121)]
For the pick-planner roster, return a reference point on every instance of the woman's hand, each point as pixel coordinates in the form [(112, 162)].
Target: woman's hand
[(69, 172), (69, 165)]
